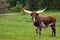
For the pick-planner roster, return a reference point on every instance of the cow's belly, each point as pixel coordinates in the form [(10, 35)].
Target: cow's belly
[(46, 25), (41, 25)]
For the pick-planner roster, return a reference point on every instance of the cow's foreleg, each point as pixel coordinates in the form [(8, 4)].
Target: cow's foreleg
[(39, 31), (36, 28), (36, 31)]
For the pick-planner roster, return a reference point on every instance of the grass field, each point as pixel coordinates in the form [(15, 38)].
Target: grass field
[(15, 26)]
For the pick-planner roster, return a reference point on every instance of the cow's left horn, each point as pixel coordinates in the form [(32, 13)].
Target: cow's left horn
[(41, 10), (27, 11)]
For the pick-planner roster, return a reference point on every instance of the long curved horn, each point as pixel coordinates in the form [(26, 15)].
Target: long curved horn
[(27, 11), (41, 10)]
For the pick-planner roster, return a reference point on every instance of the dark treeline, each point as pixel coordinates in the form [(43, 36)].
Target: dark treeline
[(30, 4), (36, 4)]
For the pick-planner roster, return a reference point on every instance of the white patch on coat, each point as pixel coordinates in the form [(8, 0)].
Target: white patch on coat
[(35, 27), (51, 24), (34, 19), (43, 25)]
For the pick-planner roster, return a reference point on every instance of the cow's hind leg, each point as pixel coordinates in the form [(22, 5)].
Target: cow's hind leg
[(53, 30)]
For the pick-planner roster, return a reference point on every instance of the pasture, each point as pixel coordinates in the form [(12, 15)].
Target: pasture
[(16, 26)]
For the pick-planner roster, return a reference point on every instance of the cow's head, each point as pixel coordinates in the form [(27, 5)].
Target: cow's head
[(33, 14)]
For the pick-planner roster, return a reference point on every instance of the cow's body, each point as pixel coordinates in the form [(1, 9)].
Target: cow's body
[(44, 21)]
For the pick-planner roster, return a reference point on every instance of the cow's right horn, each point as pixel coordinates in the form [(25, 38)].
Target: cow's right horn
[(27, 11)]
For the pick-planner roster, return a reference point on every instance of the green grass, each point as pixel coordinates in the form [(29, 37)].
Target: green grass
[(20, 27)]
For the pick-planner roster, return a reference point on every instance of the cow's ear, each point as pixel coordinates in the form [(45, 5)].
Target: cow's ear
[(36, 14), (31, 14)]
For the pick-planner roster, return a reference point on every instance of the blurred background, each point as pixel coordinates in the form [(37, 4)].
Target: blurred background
[(18, 5), (17, 25)]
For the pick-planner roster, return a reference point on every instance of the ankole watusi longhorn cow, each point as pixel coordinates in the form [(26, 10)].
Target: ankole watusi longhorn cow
[(42, 21)]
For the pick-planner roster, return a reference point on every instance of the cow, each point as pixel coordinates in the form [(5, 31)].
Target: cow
[(42, 21)]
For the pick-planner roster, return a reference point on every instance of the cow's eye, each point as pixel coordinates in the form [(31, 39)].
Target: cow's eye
[(36, 14)]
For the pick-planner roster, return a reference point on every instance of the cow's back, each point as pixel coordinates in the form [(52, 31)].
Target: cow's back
[(48, 19)]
